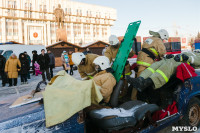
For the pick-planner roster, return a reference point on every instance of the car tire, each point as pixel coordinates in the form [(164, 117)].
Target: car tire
[(192, 116)]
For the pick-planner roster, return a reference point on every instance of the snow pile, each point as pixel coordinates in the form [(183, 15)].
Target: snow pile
[(120, 112)]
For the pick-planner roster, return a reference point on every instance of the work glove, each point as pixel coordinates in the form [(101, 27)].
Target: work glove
[(181, 58), (169, 56), (184, 57), (177, 58)]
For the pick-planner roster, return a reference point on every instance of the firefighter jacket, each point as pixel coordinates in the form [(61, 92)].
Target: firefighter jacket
[(87, 71), (155, 47), (106, 82)]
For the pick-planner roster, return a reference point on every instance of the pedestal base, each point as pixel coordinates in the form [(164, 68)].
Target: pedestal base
[(61, 35)]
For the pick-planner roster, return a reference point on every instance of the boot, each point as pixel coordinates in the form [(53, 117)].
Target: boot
[(135, 82), (144, 84)]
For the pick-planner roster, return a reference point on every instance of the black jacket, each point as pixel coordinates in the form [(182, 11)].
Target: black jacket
[(2, 63), (52, 59), (43, 61), (87, 52), (24, 64), (35, 56)]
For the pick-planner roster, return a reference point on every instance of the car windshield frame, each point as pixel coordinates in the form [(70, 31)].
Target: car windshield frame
[(1, 51)]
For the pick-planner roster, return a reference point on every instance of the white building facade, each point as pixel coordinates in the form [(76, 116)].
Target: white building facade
[(33, 21)]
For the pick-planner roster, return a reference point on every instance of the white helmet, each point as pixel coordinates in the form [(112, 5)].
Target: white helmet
[(103, 62), (77, 58), (113, 40), (163, 34)]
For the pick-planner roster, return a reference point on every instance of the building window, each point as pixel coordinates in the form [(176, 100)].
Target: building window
[(70, 11), (15, 28), (9, 5), (30, 14), (30, 6), (15, 4), (25, 5), (77, 12), (40, 7), (81, 12), (44, 9), (65, 10), (9, 27)]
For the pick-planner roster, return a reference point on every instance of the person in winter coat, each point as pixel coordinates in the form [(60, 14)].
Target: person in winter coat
[(24, 68), (158, 74), (153, 48), (65, 61), (104, 78), (71, 63), (86, 67), (104, 50), (2, 72), (112, 50), (29, 61), (43, 61), (35, 56), (87, 51), (52, 62), (12, 67), (37, 69)]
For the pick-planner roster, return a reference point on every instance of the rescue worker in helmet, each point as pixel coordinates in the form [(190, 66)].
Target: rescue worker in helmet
[(85, 65), (153, 48), (104, 78), (158, 73), (112, 50)]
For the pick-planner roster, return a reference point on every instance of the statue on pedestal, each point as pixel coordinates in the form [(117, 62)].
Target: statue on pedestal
[(61, 33), (60, 15)]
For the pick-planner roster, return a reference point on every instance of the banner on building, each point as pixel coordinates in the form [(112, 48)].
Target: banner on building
[(36, 35)]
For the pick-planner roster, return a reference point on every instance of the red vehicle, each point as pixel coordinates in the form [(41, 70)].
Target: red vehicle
[(173, 46)]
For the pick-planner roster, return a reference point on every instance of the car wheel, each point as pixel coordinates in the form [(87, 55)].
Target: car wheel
[(192, 116)]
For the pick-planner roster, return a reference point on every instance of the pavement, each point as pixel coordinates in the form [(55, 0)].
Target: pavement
[(21, 90)]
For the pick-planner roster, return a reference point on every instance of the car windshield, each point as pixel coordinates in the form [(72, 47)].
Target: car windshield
[(1, 51)]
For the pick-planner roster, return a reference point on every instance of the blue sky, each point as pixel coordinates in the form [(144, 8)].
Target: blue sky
[(172, 15)]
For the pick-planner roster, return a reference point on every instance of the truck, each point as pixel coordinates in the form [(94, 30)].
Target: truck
[(7, 49)]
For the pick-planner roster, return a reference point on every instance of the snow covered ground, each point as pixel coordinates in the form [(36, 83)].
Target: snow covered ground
[(21, 90)]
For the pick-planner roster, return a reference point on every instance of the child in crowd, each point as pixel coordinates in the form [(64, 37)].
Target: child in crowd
[(37, 69)]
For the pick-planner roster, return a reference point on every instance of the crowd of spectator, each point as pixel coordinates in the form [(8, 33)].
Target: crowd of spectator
[(43, 64)]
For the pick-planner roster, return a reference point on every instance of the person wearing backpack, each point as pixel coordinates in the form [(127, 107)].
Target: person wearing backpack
[(2, 72)]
